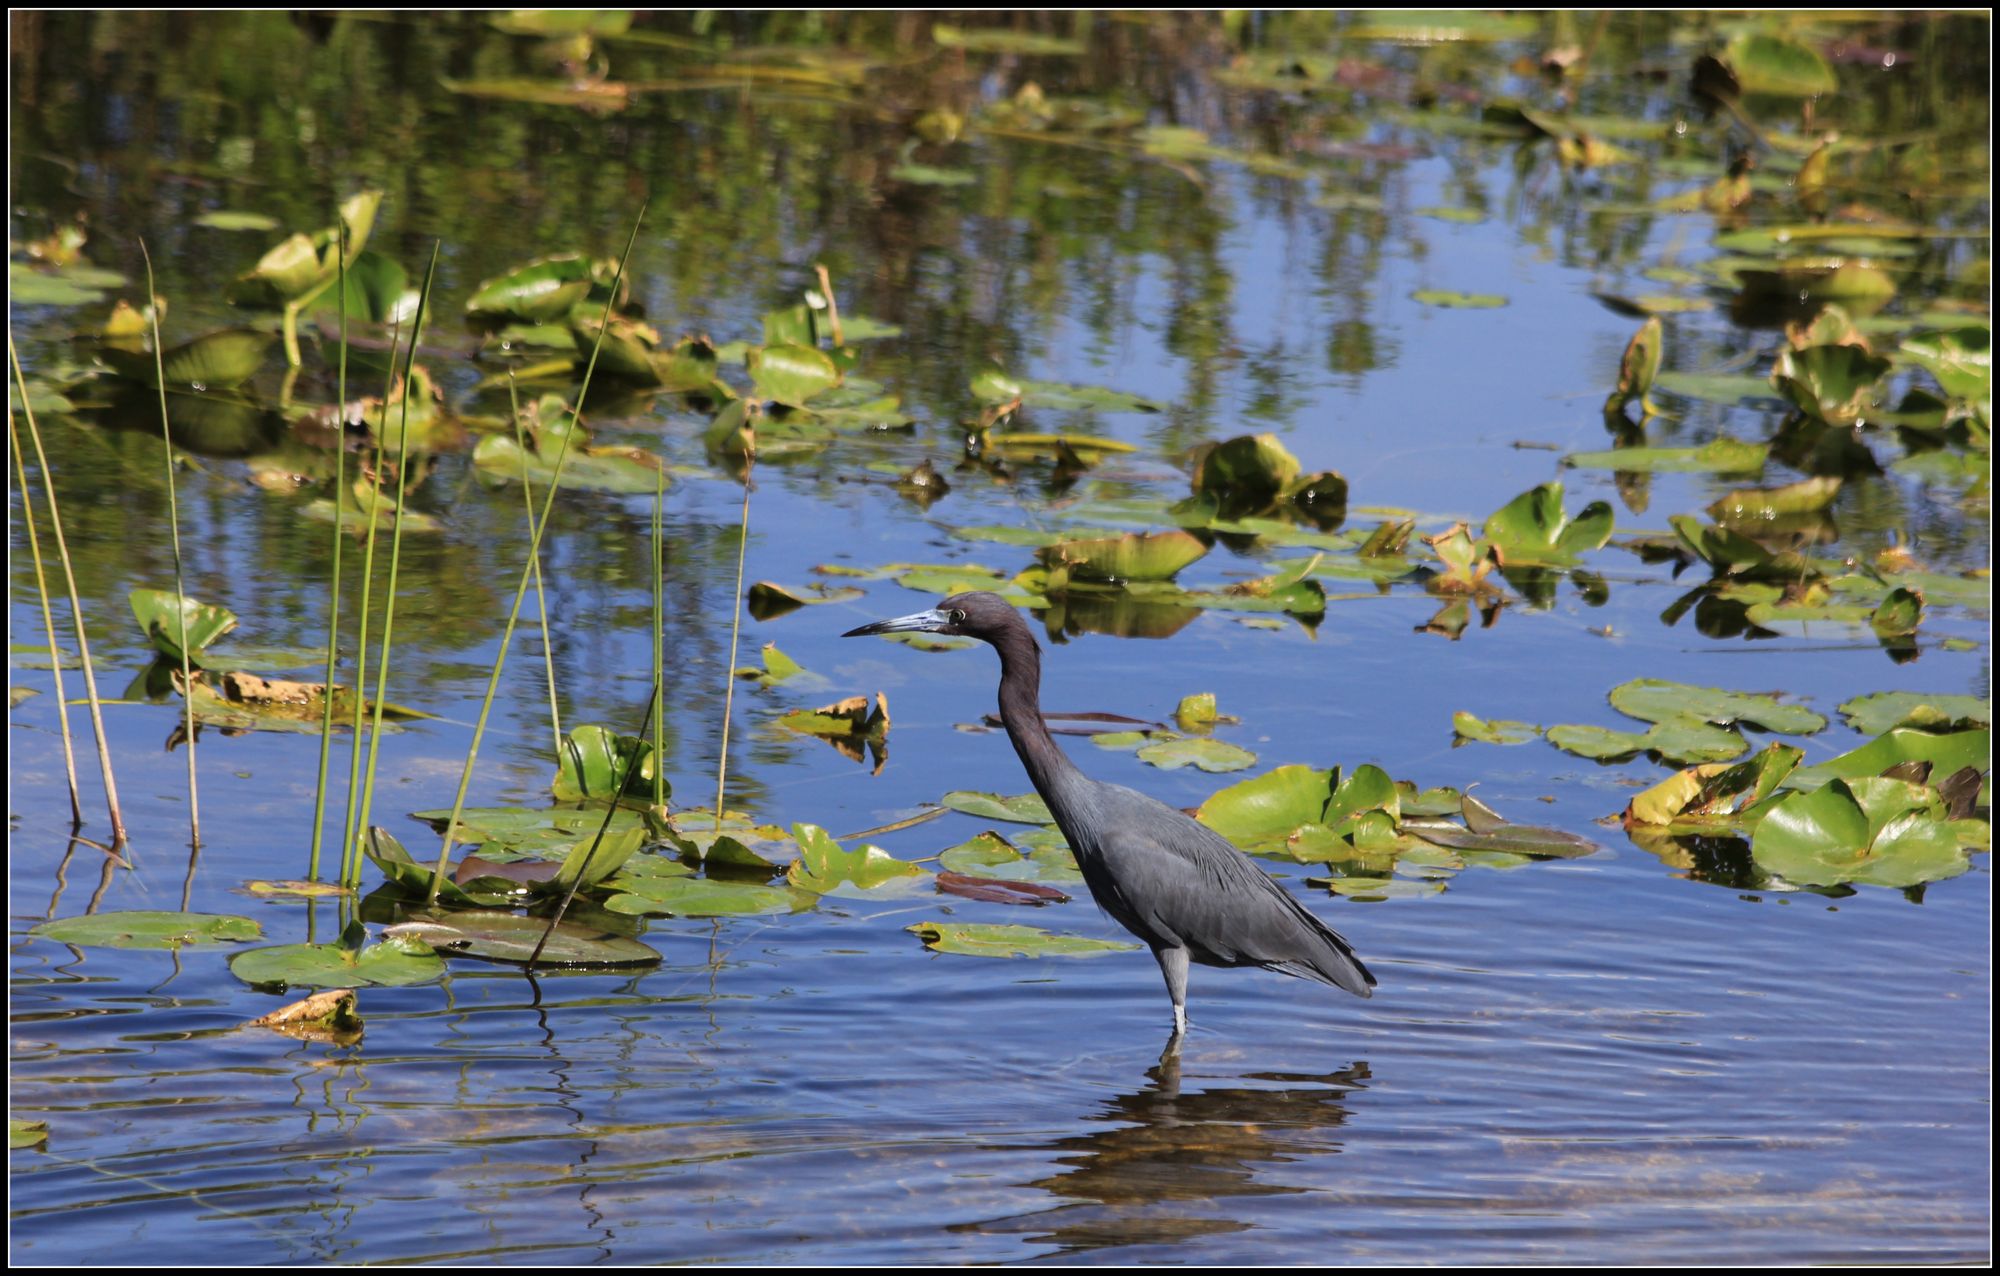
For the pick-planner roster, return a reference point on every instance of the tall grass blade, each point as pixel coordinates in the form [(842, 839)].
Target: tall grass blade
[(75, 604), (541, 602), (174, 527), (48, 622), (735, 631), (333, 600), (395, 538)]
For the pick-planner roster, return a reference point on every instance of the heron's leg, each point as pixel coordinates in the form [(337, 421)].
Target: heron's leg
[(1174, 965)]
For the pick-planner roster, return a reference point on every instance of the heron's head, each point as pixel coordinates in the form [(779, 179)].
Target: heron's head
[(975, 615)]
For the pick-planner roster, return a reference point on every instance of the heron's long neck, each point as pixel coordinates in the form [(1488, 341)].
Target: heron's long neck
[(1021, 713)]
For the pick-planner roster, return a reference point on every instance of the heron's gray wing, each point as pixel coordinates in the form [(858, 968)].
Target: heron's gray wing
[(1184, 880)]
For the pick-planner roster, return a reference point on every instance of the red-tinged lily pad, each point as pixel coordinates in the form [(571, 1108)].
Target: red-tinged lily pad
[(994, 890)]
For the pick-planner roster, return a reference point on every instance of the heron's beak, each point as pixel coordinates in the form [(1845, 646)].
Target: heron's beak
[(928, 622)]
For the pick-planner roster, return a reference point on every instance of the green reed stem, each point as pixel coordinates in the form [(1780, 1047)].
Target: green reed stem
[(174, 527), (534, 549), (75, 605), (541, 603), (48, 621), (395, 544), (735, 630), (659, 709), (333, 602), (350, 837)]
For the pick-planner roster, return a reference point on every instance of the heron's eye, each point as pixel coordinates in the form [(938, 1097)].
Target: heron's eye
[(956, 616)]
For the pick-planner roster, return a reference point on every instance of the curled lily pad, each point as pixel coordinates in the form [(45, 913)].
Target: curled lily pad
[(1714, 796), (1887, 710), (148, 929), (1532, 529), (1834, 384), (1946, 753), (1763, 62), (1493, 731), (1245, 473), (1133, 556), (768, 601), (512, 938), (855, 716), (535, 293), (980, 940), (1962, 361), (1880, 831), (825, 869), (171, 620), (1898, 614), (1766, 504), (352, 962), (1025, 808), (778, 668), (1638, 367), (630, 470), (1657, 700), (595, 761)]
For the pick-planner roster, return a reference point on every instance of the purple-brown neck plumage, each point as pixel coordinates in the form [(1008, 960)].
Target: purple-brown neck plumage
[(1021, 712)]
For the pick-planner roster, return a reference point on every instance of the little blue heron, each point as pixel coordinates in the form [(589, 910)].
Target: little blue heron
[(1175, 883)]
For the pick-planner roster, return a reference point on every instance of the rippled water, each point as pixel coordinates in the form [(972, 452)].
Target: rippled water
[(1609, 1059)]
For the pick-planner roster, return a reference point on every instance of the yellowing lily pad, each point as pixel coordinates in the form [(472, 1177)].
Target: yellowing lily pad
[(977, 940)]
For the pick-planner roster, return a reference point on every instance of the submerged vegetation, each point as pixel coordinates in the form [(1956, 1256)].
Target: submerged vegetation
[(1785, 440)]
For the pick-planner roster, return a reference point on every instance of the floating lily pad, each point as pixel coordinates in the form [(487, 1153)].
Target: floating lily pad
[(350, 963), (1962, 361), (149, 929), (995, 386), (1763, 62), (1171, 752), (1887, 710), (304, 890), (981, 940), (511, 937), (215, 361), (1714, 796), (1025, 808), (706, 897), (537, 292), (854, 716), (1898, 614), (1261, 813), (1494, 730), (990, 855), (1657, 700), (825, 869), (1767, 504), (1504, 838), (778, 668), (1834, 384), (22, 1133), (1719, 456), (792, 374), (1134, 556), (1679, 740), (768, 601), (1458, 300), (630, 470)]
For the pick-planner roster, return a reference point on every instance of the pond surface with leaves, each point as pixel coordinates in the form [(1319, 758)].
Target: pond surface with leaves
[(1524, 478)]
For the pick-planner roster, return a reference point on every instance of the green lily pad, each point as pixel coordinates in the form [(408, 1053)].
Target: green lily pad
[(1763, 62), (215, 361), (395, 962), (1458, 300), (1133, 556), (990, 855), (529, 830), (169, 619), (1719, 456), (1878, 831), (1898, 614), (1715, 387), (1962, 361), (228, 219), (148, 929), (980, 940), (1532, 530), (538, 292), (791, 374), (1262, 812), (511, 937), (1887, 710), (1494, 730), (825, 869), (707, 897), (768, 601), (22, 1133), (628, 470), (995, 386), (1171, 752), (1657, 700), (1025, 808), (1714, 795), (402, 869), (1678, 740), (778, 668), (1753, 505)]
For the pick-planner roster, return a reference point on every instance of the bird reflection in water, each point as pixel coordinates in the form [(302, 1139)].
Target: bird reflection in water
[(1151, 1174)]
